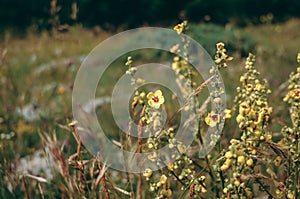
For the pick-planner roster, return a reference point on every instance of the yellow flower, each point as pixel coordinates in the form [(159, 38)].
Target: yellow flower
[(224, 167), (155, 99), (170, 167), (240, 118), (147, 173), (212, 119), (295, 94), (166, 193), (241, 159), (227, 113), (129, 61), (249, 162), (298, 58), (249, 87), (242, 79), (237, 183), (220, 45), (244, 108), (228, 154), (277, 161), (259, 87), (179, 28), (163, 179)]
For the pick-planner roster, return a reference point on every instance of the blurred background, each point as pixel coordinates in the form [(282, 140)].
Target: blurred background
[(111, 14)]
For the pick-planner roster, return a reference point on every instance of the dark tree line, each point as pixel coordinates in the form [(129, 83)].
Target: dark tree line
[(132, 13)]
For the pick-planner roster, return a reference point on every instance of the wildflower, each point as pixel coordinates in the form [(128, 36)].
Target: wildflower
[(249, 162), (241, 159), (129, 61), (166, 193), (228, 154), (249, 87), (180, 27), (220, 45), (278, 161), (226, 57), (244, 108), (138, 99), (147, 173), (175, 49), (240, 118), (225, 190), (170, 167), (237, 183), (163, 179), (212, 119), (227, 113), (226, 165), (155, 99), (242, 79), (298, 58)]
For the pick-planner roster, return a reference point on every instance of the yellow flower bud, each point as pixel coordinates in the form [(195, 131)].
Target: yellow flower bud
[(237, 183), (249, 162), (241, 159), (228, 154), (225, 190), (147, 173), (163, 179), (240, 118), (224, 167)]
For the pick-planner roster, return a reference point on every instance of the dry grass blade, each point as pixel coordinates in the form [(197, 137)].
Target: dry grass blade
[(123, 191), (39, 179), (100, 176)]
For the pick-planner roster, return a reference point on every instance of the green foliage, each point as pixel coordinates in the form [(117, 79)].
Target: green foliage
[(210, 34)]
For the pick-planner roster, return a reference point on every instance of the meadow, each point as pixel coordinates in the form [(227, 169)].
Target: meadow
[(257, 156)]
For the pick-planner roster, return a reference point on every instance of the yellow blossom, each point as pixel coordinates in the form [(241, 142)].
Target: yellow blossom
[(228, 154), (242, 79), (237, 183), (155, 99), (163, 179), (179, 28), (224, 167), (244, 108), (218, 61), (249, 162), (212, 119), (240, 118), (241, 159), (227, 113), (170, 167), (259, 87), (166, 193), (278, 161), (147, 173), (220, 46)]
